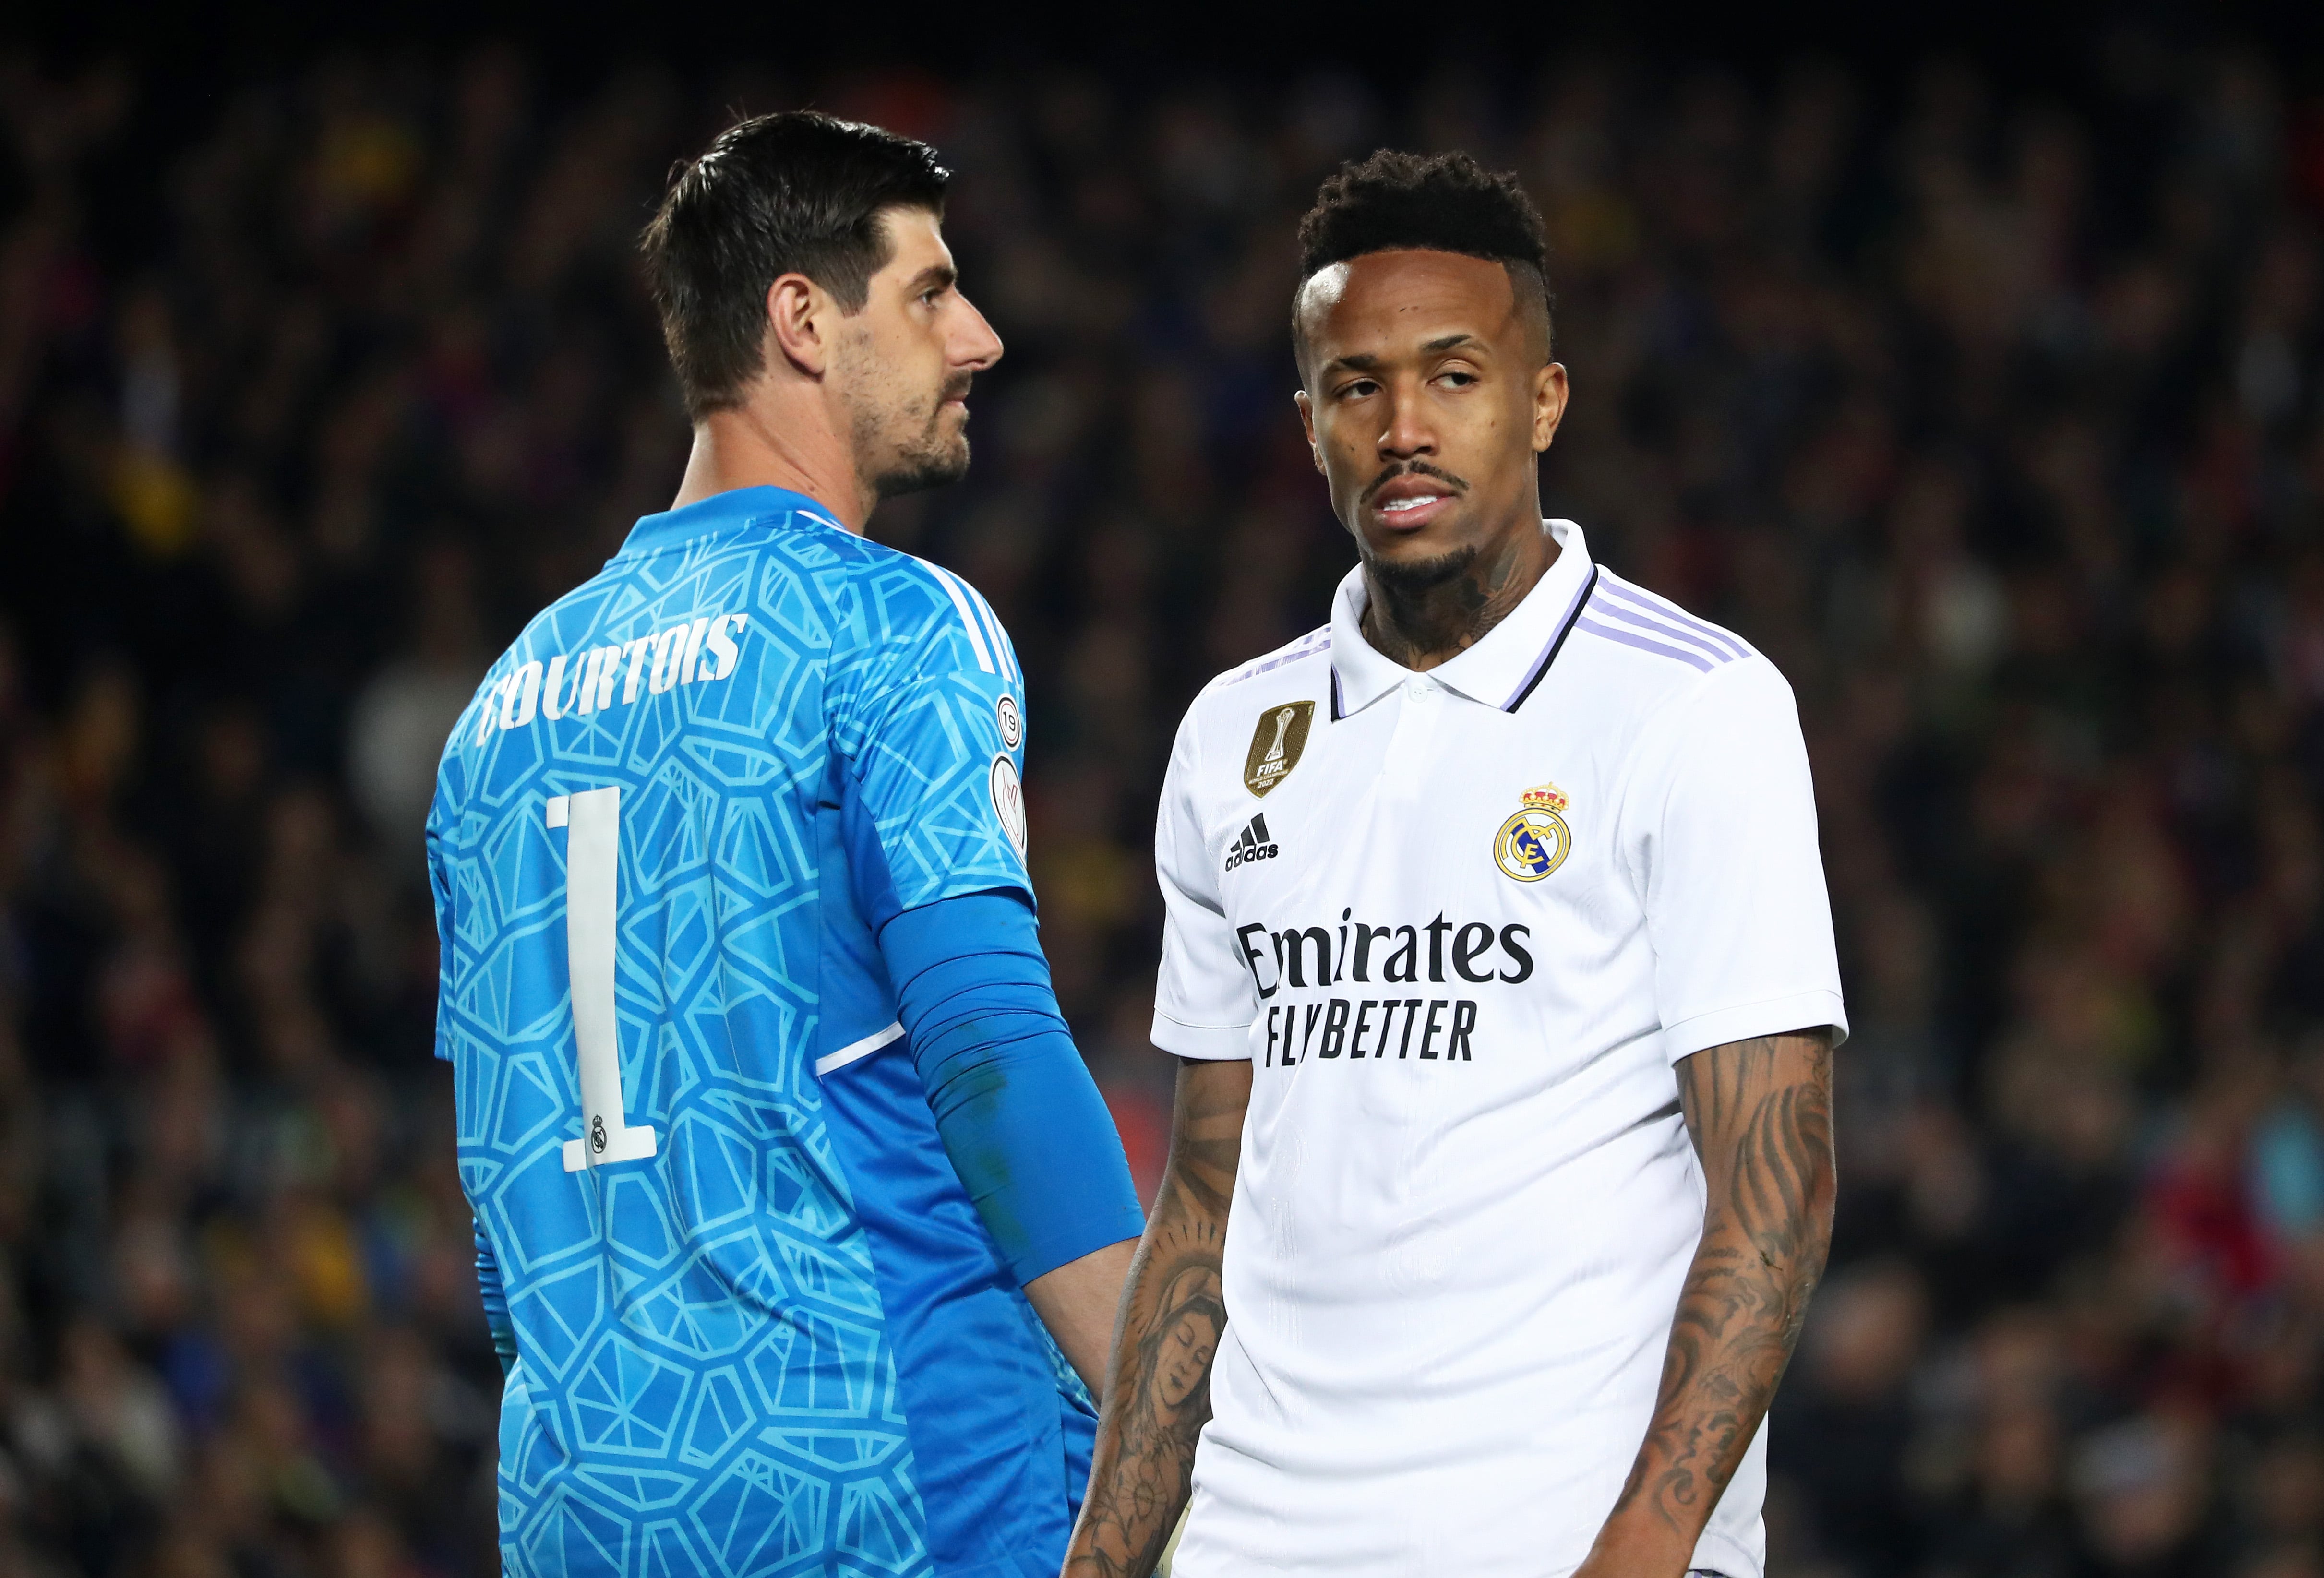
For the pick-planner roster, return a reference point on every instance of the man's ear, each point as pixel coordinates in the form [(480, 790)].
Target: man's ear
[(799, 314), (1549, 392), (1307, 424)]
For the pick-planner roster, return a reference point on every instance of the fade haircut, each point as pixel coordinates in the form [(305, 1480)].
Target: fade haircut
[(1445, 202), (792, 193)]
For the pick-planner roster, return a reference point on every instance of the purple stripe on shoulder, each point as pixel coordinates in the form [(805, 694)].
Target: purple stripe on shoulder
[(1629, 615), (1631, 638), (1645, 603), (1307, 646), (1662, 608)]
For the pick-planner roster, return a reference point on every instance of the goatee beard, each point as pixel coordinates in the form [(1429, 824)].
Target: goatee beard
[(1403, 581)]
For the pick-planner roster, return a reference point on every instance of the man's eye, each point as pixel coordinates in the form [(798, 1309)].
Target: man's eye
[(1459, 380), (1359, 389)]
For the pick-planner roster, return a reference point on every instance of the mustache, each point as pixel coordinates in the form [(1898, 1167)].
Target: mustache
[(1413, 468), (954, 387)]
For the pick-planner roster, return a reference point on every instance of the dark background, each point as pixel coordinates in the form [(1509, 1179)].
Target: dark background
[(1972, 367)]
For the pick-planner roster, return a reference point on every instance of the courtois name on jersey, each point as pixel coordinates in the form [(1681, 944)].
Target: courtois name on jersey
[(662, 659), (760, 1328)]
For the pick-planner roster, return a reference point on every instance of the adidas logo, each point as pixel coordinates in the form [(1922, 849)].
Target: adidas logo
[(1252, 843)]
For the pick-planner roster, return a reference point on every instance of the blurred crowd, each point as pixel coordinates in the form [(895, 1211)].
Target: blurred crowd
[(1996, 417)]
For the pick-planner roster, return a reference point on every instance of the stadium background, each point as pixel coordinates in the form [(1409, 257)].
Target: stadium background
[(1988, 398)]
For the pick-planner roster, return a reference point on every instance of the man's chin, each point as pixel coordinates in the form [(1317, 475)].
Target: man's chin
[(919, 473), (1412, 567)]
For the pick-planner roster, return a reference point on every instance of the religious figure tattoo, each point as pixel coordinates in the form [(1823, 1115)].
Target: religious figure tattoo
[(1173, 1314)]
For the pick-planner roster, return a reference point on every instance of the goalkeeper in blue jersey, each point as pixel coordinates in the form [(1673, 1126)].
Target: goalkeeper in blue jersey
[(800, 1223)]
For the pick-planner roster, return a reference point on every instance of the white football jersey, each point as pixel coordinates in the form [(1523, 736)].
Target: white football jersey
[(1464, 923)]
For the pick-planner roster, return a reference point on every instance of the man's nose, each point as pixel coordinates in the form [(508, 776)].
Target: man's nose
[(1408, 432), (977, 346)]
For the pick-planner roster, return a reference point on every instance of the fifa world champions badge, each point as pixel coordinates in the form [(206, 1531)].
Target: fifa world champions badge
[(1536, 841), (1276, 745)]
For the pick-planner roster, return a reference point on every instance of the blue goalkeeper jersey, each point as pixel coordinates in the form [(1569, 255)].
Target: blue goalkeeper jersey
[(760, 1327)]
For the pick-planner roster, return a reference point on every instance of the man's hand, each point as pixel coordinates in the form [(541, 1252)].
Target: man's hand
[(1760, 1114), (1079, 1302), (1173, 1314)]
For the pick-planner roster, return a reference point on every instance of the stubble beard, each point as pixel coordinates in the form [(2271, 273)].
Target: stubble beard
[(901, 447)]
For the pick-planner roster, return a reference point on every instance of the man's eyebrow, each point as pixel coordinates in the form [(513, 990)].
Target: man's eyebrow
[(934, 277), (1364, 361)]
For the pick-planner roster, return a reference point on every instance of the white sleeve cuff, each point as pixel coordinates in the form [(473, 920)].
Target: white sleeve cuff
[(1771, 1016), (1213, 1043)]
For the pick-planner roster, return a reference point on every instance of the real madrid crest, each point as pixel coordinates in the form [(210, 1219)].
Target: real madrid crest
[(1536, 841), (1276, 745)]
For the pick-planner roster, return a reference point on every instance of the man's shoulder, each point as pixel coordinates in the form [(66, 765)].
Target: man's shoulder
[(1669, 692), (1296, 674), (871, 595), (915, 597), (819, 584), (1307, 658), (1298, 669), (790, 555), (1652, 649)]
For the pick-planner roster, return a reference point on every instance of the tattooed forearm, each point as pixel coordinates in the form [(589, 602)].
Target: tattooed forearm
[(1760, 1113), (1173, 1314)]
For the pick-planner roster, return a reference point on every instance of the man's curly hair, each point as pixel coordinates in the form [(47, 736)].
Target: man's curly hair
[(1444, 202)]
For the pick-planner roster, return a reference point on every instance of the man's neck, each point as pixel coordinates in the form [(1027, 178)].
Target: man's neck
[(1421, 627), (755, 445)]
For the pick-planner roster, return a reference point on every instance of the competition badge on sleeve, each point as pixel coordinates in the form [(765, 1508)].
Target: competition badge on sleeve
[(1276, 745), (1536, 841), (1009, 801)]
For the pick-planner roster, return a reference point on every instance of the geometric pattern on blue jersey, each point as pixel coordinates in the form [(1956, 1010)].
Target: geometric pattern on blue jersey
[(760, 1328)]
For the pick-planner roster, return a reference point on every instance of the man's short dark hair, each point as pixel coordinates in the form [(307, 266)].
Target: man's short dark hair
[(1444, 202), (792, 193)]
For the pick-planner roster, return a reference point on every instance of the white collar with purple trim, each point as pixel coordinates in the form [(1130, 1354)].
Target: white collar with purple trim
[(1501, 670)]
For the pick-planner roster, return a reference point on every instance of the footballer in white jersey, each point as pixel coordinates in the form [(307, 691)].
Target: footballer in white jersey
[(1499, 966)]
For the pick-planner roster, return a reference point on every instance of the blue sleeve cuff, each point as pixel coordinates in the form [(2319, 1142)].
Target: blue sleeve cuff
[(1021, 1119)]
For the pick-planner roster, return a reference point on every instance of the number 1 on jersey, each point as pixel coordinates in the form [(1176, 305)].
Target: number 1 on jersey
[(593, 848)]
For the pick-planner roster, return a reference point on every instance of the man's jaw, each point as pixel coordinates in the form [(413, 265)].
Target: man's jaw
[(937, 459), (937, 455)]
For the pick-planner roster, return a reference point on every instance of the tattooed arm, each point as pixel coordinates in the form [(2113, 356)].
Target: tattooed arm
[(1760, 1114), (1159, 1396)]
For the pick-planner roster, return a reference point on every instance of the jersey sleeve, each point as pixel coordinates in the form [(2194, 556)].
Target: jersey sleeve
[(1205, 997), (928, 722), (1721, 829), (1021, 1119), (440, 887)]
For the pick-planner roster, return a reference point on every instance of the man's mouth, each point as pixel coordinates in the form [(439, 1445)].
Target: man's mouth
[(1415, 501), (1412, 498)]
